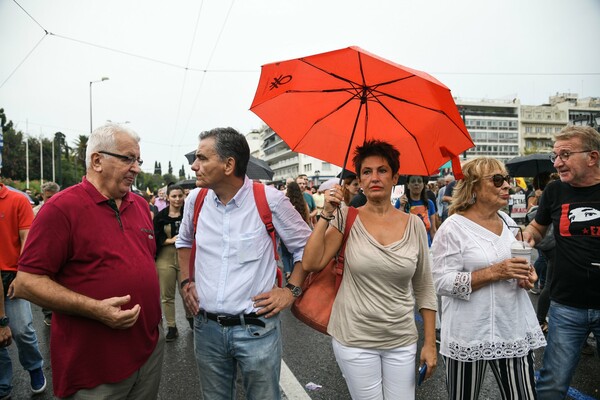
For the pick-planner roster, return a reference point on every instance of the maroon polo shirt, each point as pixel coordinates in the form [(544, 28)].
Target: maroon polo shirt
[(78, 241)]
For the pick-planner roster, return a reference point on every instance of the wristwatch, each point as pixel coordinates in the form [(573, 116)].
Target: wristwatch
[(296, 290), (4, 321)]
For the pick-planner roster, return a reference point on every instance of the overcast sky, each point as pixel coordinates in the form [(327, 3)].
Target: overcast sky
[(199, 61)]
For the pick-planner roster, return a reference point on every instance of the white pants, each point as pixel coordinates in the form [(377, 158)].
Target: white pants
[(373, 374)]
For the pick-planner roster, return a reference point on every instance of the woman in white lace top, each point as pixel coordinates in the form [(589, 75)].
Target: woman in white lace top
[(487, 316)]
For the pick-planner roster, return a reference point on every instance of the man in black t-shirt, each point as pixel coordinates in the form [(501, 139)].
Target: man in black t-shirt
[(572, 206)]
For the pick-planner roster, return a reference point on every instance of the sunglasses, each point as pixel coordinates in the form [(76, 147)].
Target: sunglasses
[(498, 180)]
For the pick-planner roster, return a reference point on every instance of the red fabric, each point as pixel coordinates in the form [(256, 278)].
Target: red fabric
[(337, 100), (15, 214), (76, 240)]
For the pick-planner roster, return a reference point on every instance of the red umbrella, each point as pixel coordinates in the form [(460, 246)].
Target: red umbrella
[(327, 104)]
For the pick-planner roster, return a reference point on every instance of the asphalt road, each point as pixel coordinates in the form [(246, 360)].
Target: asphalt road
[(308, 355)]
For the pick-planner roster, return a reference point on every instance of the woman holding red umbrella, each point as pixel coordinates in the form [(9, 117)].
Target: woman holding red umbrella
[(386, 262)]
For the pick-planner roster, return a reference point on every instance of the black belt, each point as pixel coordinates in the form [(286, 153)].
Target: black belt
[(234, 320)]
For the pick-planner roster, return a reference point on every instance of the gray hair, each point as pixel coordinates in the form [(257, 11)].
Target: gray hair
[(104, 138), (50, 187)]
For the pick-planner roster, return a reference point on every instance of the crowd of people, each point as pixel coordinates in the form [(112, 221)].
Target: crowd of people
[(101, 261)]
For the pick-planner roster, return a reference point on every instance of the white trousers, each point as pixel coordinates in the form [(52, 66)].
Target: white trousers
[(373, 374)]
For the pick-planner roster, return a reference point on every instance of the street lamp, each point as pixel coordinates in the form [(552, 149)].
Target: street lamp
[(104, 78)]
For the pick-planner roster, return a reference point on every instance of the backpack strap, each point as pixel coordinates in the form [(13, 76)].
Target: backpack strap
[(260, 197), (197, 208), (339, 267)]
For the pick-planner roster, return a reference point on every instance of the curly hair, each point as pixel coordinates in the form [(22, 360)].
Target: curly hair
[(473, 170), (296, 197)]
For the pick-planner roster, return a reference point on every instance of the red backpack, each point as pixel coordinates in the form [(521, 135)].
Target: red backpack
[(265, 215)]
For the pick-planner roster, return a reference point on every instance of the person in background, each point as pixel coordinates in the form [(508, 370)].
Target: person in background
[(16, 320), (49, 189), (539, 184), (447, 196), (293, 193), (415, 201), (302, 181), (89, 258), (150, 199), (572, 206), (487, 316), (350, 188), (166, 228), (387, 263), (319, 199), (161, 200)]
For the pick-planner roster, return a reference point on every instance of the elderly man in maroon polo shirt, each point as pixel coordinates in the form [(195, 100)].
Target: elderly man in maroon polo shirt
[(90, 259)]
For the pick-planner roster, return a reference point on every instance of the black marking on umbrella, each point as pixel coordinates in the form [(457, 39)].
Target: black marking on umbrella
[(280, 80)]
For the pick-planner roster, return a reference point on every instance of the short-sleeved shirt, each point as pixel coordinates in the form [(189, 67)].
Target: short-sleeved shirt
[(310, 201), (79, 241), (15, 215), (575, 215)]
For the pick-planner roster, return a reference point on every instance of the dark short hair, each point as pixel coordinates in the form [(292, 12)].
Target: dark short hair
[(172, 187), (379, 148), (230, 143)]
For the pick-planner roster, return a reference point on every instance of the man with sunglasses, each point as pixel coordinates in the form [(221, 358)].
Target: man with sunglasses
[(572, 206), (89, 258)]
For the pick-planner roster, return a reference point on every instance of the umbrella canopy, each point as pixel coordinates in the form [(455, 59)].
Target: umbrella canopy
[(187, 183), (256, 169), (530, 165), (327, 104)]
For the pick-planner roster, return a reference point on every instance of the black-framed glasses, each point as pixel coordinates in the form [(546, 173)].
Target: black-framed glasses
[(564, 155), (498, 179), (126, 159)]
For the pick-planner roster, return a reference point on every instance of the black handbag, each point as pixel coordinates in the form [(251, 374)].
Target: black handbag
[(7, 278)]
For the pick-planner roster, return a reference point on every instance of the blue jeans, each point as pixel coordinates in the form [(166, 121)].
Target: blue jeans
[(221, 349), (21, 326), (568, 328)]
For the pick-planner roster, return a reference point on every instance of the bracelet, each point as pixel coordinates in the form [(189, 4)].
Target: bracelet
[(185, 282), (326, 218)]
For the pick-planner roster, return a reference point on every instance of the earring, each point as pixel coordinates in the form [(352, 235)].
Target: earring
[(473, 199)]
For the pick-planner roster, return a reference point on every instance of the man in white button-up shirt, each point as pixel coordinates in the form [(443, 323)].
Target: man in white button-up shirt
[(232, 293)]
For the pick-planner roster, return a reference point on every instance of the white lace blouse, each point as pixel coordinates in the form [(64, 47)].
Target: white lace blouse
[(496, 321)]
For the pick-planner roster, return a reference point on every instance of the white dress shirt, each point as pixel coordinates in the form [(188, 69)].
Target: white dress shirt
[(234, 253)]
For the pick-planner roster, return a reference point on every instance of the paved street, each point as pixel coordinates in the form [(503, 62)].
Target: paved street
[(309, 357)]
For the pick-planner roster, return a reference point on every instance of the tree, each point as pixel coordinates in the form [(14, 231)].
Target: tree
[(159, 171), (182, 172), (170, 169)]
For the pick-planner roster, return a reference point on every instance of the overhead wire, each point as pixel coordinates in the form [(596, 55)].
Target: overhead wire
[(22, 61), (212, 53), (183, 84)]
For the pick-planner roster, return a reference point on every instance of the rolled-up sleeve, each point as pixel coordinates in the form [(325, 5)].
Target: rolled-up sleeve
[(185, 238), (289, 225), (449, 276)]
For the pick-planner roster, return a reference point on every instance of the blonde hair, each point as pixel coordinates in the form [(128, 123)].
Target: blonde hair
[(474, 170)]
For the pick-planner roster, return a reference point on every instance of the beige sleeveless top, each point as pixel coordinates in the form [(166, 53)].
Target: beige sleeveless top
[(375, 303)]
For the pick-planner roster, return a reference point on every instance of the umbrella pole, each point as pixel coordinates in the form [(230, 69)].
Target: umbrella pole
[(362, 102)]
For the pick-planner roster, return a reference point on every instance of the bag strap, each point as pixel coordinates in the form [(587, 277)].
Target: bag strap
[(339, 266), (262, 205), (266, 216), (197, 208)]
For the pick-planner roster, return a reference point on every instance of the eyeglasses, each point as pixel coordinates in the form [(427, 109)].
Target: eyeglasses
[(498, 180), (564, 155), (126, 159)]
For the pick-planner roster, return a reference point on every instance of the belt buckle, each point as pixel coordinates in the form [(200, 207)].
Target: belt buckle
[(219, 318)]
